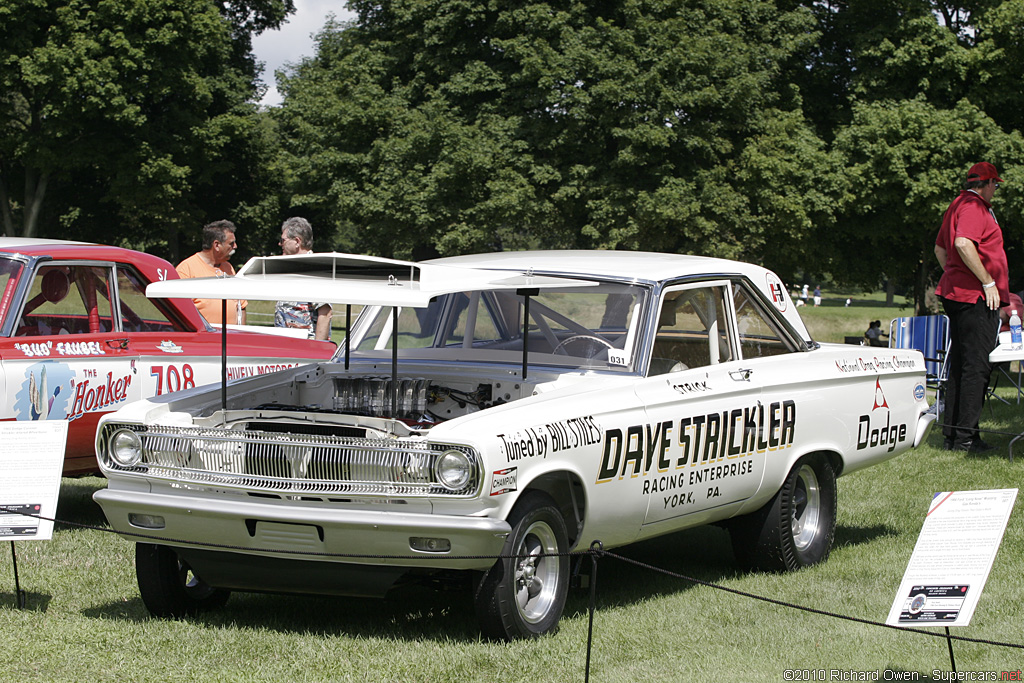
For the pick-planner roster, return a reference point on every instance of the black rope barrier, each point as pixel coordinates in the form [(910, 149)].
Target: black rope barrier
[(1014, 436), (1000, 432), (812, 610)]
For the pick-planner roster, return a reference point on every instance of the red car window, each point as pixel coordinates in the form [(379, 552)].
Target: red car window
[(138, 313), (10, 271), (67, 299)]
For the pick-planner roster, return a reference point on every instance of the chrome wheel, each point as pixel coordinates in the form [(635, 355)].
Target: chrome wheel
[(796, 527), (806, 512), (523, 594), (536, 572)]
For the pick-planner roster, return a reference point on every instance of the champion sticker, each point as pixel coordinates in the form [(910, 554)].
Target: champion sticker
[(504, 481)]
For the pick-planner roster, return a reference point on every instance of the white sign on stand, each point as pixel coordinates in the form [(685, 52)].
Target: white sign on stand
[(952, 559), (32, 461)]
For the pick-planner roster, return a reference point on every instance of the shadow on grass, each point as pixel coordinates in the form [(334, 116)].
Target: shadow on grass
[(424, 615), (75, 503), (703, 553), (34, 602), (850, 535), (447, 613)]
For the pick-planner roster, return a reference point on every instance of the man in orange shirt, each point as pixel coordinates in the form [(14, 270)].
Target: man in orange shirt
[(218, 244)]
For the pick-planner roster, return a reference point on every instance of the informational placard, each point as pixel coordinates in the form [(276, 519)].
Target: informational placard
[(952, 559), (32, 460)]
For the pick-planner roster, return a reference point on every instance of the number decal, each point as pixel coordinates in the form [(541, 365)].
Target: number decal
[(173, 377)]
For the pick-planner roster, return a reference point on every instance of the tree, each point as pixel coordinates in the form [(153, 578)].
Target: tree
[(905, 161), (908, 93), (125, 112), (459, 125)]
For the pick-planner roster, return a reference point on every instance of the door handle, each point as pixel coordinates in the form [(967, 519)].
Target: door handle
[(741, 375)]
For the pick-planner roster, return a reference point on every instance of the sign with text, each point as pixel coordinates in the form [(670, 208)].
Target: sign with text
[(952, 559), (31, 460)]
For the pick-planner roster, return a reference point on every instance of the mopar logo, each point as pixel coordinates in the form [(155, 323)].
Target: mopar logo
[(919, 392)]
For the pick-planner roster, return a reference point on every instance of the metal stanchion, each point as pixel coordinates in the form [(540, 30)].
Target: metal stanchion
[(594, 548), (19, 595)]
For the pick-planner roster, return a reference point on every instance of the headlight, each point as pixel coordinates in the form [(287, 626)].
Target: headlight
[(125, 448), (453, 469)]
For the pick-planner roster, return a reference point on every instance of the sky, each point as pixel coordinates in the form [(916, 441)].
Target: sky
[(294, 40)]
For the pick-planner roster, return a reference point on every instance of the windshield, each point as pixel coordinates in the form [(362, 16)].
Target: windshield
[(589, 327)]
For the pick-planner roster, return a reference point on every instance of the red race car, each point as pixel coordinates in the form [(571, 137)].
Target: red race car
[(79, 338)]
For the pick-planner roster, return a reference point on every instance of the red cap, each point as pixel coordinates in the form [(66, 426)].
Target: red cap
[(984, 171)]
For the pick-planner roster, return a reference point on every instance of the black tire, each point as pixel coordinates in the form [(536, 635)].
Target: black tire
[(523, 597), (169, 588), (796, 527)]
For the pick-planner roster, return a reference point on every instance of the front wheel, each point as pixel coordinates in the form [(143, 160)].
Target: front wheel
[(523, 596), (796, 528), (169, 587)]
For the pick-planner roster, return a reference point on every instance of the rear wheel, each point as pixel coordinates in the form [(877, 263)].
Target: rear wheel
[(796, 528), (169, 587), (523, 596)]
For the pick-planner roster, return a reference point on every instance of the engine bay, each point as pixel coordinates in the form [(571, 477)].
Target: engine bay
[(335, 399)]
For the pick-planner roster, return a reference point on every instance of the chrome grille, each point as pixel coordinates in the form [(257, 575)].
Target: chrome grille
[(289, 463)]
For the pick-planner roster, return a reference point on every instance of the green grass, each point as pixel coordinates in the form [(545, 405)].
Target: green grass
[(85, 620)]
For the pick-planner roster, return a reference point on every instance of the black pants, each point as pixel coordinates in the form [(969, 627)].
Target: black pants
[(972, 336)]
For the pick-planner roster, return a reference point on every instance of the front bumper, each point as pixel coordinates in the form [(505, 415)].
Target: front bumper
[(244, 529)]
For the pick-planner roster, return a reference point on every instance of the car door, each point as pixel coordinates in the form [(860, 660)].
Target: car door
[(710, 430), (68, 358)]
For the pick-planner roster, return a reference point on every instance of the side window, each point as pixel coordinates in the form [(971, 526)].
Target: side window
[(67, 299), (138, 313), (417, 327), (758, 335), (693, 330), (472, 315)]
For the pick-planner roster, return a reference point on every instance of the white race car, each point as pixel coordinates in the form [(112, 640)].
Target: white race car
[(519, 404)]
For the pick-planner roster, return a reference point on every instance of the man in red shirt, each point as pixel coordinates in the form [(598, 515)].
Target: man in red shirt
[(974, 285)]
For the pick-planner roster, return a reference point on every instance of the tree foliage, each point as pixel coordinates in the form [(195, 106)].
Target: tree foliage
[(459, 126), (905, 161), (126, 113), (909, 94)]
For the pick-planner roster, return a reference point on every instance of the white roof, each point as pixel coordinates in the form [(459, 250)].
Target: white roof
[(350, 279), (635, 266), (641, 266)]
